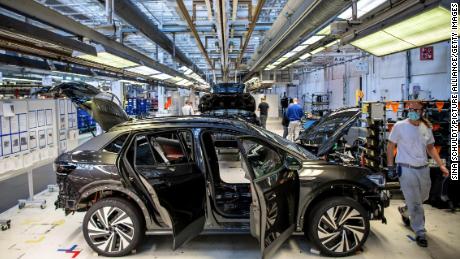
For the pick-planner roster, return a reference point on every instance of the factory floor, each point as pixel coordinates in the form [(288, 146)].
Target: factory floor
[(40, 233)]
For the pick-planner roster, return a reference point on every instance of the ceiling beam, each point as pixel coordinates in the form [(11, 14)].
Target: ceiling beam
[(209, 9), (222, 34), (32, 31), (53, 18), (130, 13), (255, 17), (306, 19), (234, 9), (192, 28)]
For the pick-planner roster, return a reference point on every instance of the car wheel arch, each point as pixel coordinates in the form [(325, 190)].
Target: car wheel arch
[(339, 188), (119, 191)]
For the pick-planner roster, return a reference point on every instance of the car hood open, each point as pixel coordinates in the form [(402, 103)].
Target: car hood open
[(324, 134), (104, 107)]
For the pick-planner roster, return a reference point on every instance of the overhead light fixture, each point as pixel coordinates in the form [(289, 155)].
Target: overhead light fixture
[(105, 58), (425, 28), (279, 61), (184, 82), (313, 39), (289, 54), (304, 56), (186, 70), (175, 79), (325, 31), (161, 76), (300, 48), (288, 65), (363, 6), (270, 67), (313, 52), (332, 43), (143, 70)]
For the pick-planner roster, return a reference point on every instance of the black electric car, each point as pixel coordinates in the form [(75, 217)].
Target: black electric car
[(228, 100), (179, 176)]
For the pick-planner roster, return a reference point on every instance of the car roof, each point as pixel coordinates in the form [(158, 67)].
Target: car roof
[(181, 121)]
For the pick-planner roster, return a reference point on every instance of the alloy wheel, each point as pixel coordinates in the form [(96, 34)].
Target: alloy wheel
[(110, 229), (341, 228)]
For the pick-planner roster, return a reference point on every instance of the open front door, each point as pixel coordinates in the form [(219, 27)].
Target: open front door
[(166, 172), (276, 187)]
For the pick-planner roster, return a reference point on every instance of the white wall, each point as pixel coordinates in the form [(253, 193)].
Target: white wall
[(384, 80)]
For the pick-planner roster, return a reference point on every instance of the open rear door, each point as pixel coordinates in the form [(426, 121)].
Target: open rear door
[(168, 175), (276, 187)]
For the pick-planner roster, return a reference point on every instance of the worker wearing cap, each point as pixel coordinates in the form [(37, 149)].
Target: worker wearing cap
[(414, 139)]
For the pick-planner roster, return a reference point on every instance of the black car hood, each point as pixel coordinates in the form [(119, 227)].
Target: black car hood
[(324, 134), (104, 107)]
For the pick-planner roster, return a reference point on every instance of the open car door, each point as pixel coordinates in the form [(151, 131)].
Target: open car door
[(275, 190), (164, 170), (104, 107)]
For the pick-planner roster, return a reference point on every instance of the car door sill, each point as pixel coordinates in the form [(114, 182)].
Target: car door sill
[(228, 231)]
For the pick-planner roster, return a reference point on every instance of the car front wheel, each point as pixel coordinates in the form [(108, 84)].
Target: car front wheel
[(112, 227), (338, 226)]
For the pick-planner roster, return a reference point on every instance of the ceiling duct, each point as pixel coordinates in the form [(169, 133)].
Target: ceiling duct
[(298, 19)]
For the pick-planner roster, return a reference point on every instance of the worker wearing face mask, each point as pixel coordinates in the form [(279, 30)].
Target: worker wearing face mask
[(414, 140)]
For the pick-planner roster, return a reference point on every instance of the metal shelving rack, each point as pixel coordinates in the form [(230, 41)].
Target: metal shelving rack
[(319, 103)]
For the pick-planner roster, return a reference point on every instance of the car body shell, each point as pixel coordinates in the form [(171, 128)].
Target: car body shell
[(94, 170)]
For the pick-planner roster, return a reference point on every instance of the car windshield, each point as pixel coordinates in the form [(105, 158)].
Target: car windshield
[(298, 149)]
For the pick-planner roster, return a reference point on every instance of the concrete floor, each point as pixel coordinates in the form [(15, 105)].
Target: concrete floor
[(37, 233)]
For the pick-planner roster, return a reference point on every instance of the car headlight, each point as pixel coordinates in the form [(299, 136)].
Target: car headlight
[(378, 179)]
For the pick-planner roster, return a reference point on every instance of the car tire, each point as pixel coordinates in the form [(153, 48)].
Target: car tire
[(113, 227), (338, 226)]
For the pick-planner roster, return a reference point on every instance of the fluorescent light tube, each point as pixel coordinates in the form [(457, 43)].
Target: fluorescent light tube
[(422, 29), (425, 28), (107, 59), (161, 76), (175, 79), (325, 31), (332, 43), (304, 56), (143, 70), (289, 54), (364, 7), (317, 50), (313, 39), (300, 48)]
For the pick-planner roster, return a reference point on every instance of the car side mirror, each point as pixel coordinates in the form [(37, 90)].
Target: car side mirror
[(292, 163)]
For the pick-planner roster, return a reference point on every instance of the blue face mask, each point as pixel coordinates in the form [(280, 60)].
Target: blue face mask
[(415, 116)]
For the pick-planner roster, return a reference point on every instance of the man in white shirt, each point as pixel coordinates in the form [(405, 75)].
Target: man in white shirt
[(187, 109), (414, 140)]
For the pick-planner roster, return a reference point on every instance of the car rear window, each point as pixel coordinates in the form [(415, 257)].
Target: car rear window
[(116, 145), (99, 142)]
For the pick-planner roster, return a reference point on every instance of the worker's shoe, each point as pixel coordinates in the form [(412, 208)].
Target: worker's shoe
[(404, 215), (421, 241)]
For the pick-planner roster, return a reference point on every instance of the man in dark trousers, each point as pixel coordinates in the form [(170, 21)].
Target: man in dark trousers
[(263, 109), (284, 103), (285, 121)]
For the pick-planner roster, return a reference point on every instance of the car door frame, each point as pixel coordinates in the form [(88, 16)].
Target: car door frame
[(260, 219), (194, 228)]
